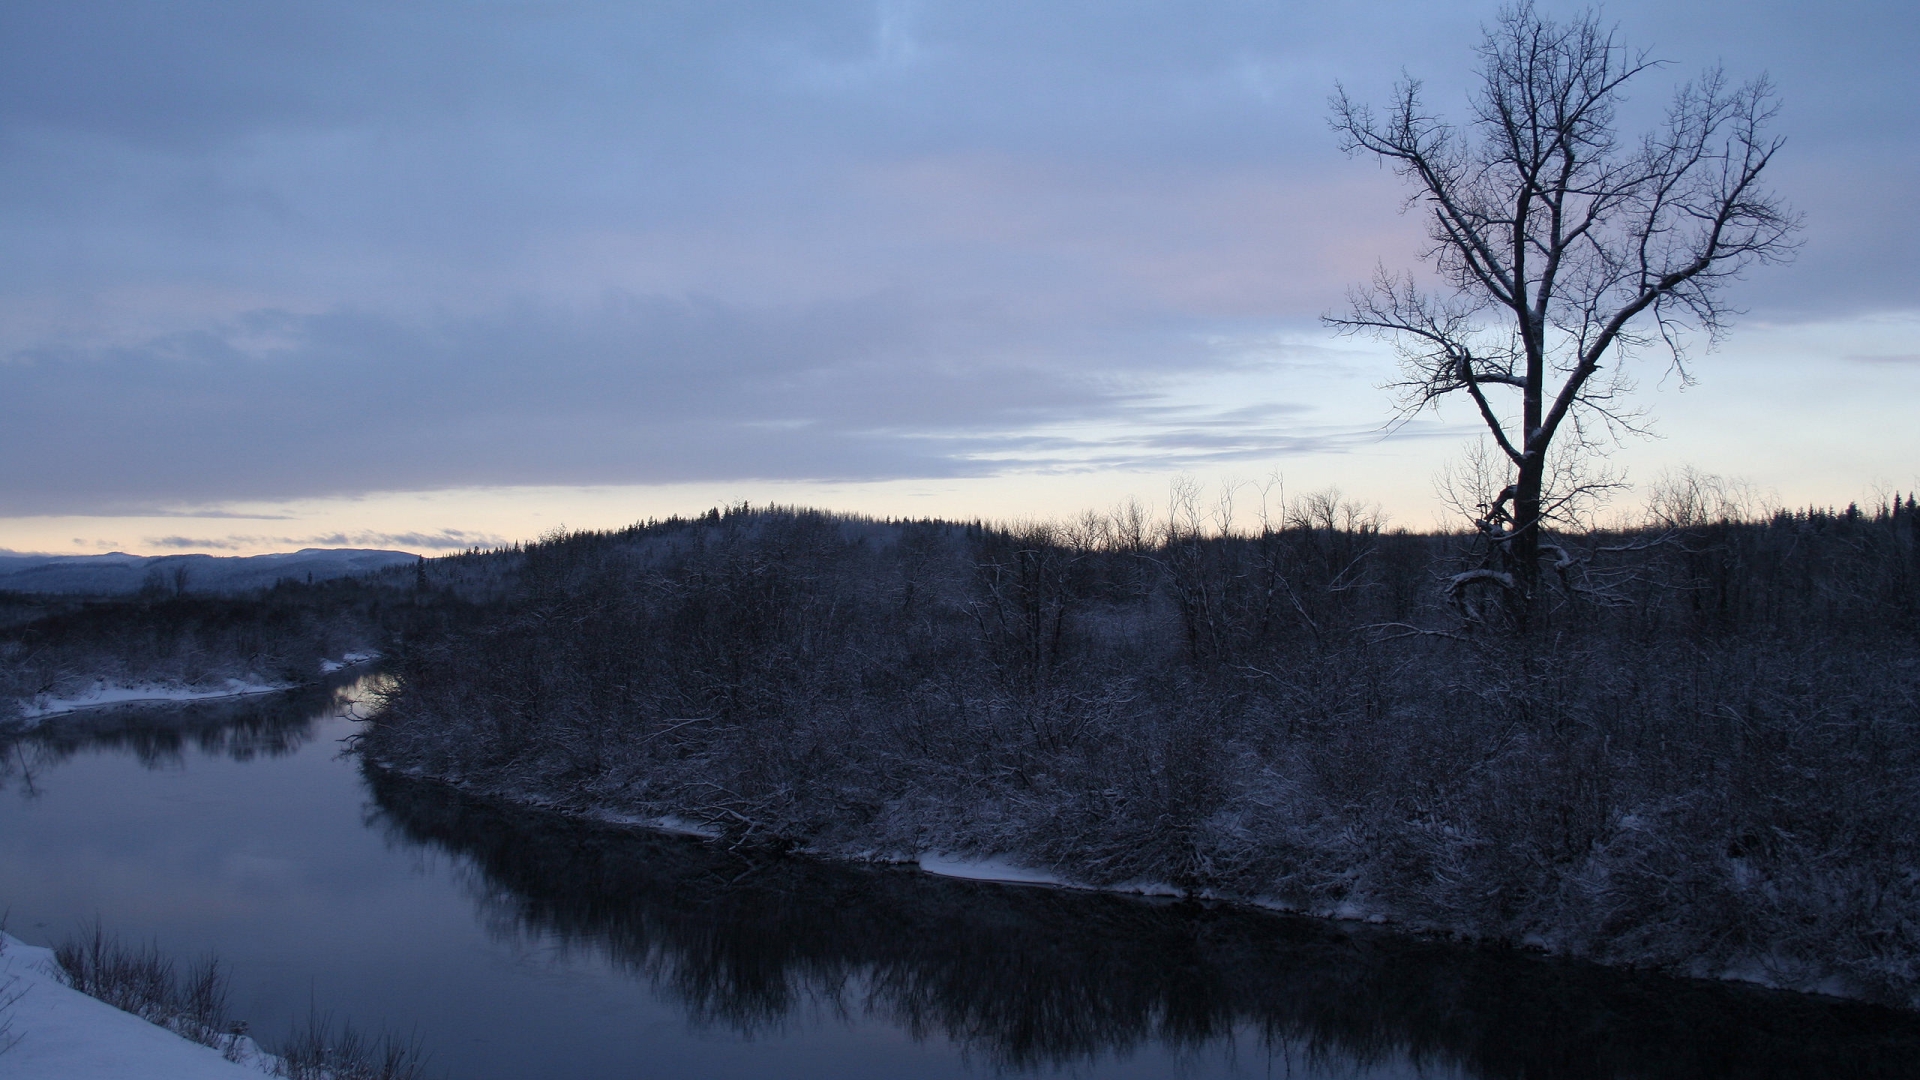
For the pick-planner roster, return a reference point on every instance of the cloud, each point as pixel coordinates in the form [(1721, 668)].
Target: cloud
[(188, 543), (441, 540), (629, 390), (322, 248)]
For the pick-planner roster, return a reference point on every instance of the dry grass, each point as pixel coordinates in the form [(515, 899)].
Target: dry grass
[(317, 1051)]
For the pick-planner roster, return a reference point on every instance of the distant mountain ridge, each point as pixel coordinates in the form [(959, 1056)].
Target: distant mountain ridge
[(119, 574)]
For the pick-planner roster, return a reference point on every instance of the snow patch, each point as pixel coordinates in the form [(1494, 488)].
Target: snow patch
[(347, 660), (1153, 888), (669, 824), (684, 827), (1751, 969), (104, 694), (66, 1035), (992, 868)]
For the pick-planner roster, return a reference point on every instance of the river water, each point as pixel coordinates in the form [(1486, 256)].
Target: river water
[(515, 945)]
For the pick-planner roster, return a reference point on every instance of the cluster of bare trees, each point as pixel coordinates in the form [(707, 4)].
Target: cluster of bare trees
[(1703, 751)]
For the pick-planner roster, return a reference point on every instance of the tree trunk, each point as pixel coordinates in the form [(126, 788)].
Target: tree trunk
[(1524, 548)]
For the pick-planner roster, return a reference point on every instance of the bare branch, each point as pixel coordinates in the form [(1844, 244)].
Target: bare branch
[(1567, 249)]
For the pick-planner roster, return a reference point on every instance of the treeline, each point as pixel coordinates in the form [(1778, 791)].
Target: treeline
[(56, 646), (1703, 753)]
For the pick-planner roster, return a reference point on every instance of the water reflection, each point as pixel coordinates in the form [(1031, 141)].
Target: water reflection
[(159, 736), (1035, 979), (1018, 979)]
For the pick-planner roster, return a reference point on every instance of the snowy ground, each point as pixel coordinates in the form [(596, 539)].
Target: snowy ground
[(102, 694), (991, 869), (1009, 871), (328, 667), (65, 1035)]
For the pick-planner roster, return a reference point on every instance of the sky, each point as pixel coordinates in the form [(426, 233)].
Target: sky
[(431, 276)]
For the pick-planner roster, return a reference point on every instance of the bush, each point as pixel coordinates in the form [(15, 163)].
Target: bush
[(317, 1052), (142, 982)]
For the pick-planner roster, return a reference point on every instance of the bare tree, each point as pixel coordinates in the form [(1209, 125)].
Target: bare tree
[(1559, 248)]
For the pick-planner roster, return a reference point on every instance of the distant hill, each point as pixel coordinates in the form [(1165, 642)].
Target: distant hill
[(120, 573)]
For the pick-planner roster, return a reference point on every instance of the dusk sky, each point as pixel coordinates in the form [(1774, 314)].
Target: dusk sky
[(425, 275)]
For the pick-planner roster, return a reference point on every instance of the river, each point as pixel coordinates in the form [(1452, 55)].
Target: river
[(520, 945)]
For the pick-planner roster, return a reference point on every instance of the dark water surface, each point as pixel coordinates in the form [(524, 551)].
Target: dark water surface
[(516, 945)]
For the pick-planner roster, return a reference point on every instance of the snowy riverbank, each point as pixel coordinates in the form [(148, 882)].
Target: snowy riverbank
[(102, 695), (108, 694), (59, 1033), (1015, 869)]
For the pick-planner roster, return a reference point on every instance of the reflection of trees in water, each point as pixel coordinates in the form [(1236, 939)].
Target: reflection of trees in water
[(159, 736), (1034, 978)]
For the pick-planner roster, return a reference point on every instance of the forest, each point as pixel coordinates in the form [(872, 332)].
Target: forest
[(1700, 751), (56, 645)]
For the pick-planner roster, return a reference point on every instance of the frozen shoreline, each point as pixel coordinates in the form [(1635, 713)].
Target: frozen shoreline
[(1009, 869), (65, 1035), (103, 694)]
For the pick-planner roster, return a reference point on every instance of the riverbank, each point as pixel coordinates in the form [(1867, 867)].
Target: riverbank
[(59, 1033), (1054, 980), (521, 944), (94, 1007), (1709, 773), (1014, 870), (103, 695)]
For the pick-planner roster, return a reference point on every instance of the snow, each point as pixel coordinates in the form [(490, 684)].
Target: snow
[(66, 1035), (328, 667), (1161, 888), (682, 827), (1005, 871), (992, 868), (103, 694)]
